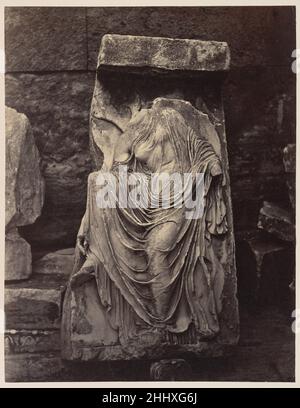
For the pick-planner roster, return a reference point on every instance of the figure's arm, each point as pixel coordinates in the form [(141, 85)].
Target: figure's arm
[(123, 148), (82, 241), (216, 213)]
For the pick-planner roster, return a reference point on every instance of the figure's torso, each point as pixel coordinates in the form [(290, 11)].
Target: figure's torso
[(159, 159)]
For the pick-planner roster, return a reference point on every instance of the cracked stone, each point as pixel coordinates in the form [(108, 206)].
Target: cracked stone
[(276, 221)]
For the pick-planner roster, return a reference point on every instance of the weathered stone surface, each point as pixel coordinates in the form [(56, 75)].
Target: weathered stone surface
[(33, 367), (170, 370), (34, 304), (58, 262), (24, 185), (17, 257), (162, 53), (45, 38), (58, 106), (289, 161), (277, 221), (24, 192), (249, 31), (88, 335), (31, 341)]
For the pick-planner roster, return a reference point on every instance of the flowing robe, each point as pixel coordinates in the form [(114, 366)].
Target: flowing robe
[(120, 251)]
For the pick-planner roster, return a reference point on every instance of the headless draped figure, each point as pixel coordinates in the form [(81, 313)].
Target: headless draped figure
[(154, 267)]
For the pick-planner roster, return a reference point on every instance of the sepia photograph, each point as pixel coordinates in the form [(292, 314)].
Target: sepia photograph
[(150, 177)]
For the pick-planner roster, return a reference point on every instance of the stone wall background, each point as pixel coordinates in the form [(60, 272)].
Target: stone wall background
[(50, 69)]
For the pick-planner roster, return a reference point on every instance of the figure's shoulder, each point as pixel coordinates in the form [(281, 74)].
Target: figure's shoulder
[(96, 177)]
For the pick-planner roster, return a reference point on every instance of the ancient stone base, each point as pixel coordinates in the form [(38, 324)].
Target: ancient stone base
[(88, 341), (34, 304), (33, 346), (32, 322), (264, 353)]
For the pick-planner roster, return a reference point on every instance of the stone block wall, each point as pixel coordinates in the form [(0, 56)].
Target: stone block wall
[(50, 69)]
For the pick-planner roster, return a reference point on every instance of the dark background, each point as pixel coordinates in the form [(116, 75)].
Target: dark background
[(50, 71)]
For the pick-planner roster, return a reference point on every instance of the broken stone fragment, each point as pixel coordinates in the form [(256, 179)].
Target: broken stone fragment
[(17, 256), (61, 135), (289, 161), (24, 184), (58, 262), (170, 370), (24, 192), (276, 221)]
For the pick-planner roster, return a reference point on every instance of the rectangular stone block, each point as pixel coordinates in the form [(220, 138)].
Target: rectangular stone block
[(34, 304), (249, 30), (162, 54)]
